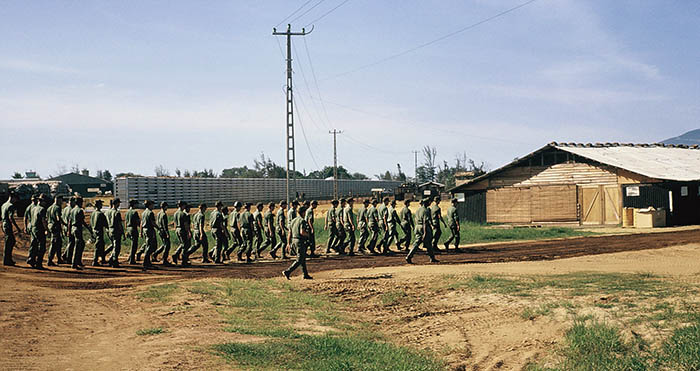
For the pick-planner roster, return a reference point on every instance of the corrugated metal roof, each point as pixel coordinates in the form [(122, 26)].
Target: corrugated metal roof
[(654, 161)]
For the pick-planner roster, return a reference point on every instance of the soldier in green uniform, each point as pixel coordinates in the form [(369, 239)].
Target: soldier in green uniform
[(436, 219), (383, 213), (200, 238), (216, 222), (392, 221), (424, 232), (65, 215), (38, 232), (115, 231), (299, 232), (373, 226), (258, 228), (340, 242), (309, 216), (226, 244), (28, 225), (55, 225), (77, 216), (330, 226), (281, 224), (406, 218), (235, 229), (349, 221), (98, 223), (362, 226), (163, 226), (7, 214), (291, 215), (453, 225), (133, 221), (246, 222), (148, 230), (183, 232), (269, 228)]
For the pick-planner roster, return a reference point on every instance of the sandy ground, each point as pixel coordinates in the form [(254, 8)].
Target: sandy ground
[(61, 320)]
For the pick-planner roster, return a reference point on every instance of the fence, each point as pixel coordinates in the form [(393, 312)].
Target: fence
[(228, 190)]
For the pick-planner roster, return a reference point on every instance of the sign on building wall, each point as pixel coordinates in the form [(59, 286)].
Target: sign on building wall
[(632, 191)]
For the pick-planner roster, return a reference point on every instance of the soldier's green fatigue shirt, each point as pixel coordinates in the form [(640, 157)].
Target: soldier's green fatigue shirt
[(53, 218), (392, 217), (198, 224), (28, 216), (258, 220), (247, 220), (132, 221), (268, 222), (114, 223), (233, 220), (406, 217), (339, 222), (291, 215), (281, 221), (8, 213), (65, 215), (309, 217), (372, 217), (382, 211), (362, 218), (452, 217), (179, 220), (148, 222), (435, 213), (162, 222), (348, 217), (330, 218), (77, 222), (216, 222), (98, 221)]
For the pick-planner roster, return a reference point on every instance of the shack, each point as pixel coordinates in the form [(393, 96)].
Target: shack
[(84, 184), (429, 189), (587, 184)]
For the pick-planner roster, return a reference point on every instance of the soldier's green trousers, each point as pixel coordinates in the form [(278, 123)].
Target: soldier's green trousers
[(406, 239), (340, 239), (282, 244), (204, 243), (373, 235), (99, 247), (300, 260), (185, 244), (437, 232), (38, 246), (312, 243), (350, 243), (424, 237), (454, 236), (9, 244), (218, 235), (237, 241), (332, 237), (77, 258), (363, 236), (165, 245), (116, 239), (70, 247), (151, 246), (55, 244), (258, 241), (270, 241), (391, 236), (247, 244)]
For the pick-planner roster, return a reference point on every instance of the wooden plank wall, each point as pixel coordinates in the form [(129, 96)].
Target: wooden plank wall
[(508, 205), (554, 203), (566, 173)]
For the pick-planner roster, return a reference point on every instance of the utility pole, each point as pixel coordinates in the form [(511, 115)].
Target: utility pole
[(291, 158), (335, 161), (415, 166)]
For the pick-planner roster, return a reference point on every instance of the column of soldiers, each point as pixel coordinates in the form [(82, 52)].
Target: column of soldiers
[(289, 231)]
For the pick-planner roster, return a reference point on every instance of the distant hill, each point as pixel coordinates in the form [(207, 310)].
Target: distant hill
[(690, 138)]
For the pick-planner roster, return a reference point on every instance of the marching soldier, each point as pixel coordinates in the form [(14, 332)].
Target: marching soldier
[(392, 219), (291, 215), (37, 223), (281, 224), (235, 229), (330, 226), (28, 225), (200, 238), (133, 222), (312, 229), (382, 212), (227, 236), (349, 221), (55, 225), (162, 224), (98, 223), (299, 238), (269, 228), (7, 214), (148, 230), (423, 232), (216, 222), (77, 216), (258, 228), (340, 227), (373, 226), (436, 219), (183, 232), (116, 231), (362, 226), (246, 221), (453, 225), (406, 225), (65, 215)]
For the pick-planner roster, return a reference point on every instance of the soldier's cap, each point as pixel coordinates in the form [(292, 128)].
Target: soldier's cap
[(111, 202), (350, 199), (163, 204), (295, 203), (78, 200), (386, 199), (366, 201), (271, 204), (283, 202), (58, 197), (202, 205), (35, 197), (43, 197), (248, 204), (393, 201), (237, 204), (181, 203), (314, 202), (342, 201), (131, 202), (99, 202), (117, 201), (260, 204), (148, 202), (374, 201), (307, 203), (436, 198), (407, 201), (218, 203), (334, 202), (224, 210)]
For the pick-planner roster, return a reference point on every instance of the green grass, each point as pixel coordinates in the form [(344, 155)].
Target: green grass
[(326, 352), (531, 313), (682, 350), (150, 331), (392, 297), (160, 293)]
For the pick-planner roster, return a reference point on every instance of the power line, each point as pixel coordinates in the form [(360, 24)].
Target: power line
[(423, 45), (308, 89), (307, 11), (306, 140), (313, 73), (327, 13), (294, 12)]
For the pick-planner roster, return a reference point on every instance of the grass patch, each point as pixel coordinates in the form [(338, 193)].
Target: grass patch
[(159, 293), (392, 297), (150, 331), (682, 350), (327, 352), (542, 310)]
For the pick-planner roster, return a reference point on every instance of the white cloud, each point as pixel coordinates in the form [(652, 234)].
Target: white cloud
[(33, 67)]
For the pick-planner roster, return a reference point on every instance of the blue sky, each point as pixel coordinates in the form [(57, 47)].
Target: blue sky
[(130, 85)]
